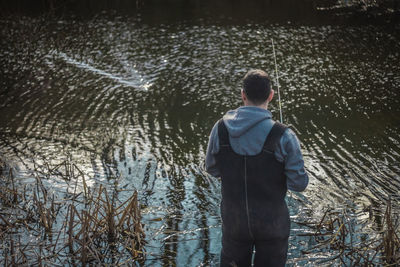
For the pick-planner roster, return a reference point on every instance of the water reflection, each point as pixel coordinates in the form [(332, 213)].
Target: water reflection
[(135, 101)]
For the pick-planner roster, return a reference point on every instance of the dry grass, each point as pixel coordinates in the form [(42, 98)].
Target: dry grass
[(96, 228), (37, 228), (390, 245), (337, 233)]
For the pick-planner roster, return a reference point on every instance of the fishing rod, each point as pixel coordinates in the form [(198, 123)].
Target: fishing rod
[(277, 82)]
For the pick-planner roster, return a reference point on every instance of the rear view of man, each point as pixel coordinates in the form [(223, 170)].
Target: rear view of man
[(257, 159)]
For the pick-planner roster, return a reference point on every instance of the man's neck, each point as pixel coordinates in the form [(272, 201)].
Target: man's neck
[(263, 105)]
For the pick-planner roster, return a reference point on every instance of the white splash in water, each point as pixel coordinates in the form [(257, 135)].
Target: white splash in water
[(139, 81)]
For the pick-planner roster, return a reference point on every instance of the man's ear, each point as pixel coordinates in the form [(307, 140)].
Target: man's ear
[(244, 97), (271, 95)]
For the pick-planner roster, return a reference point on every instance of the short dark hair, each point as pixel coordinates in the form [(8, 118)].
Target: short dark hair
[(257, 86)]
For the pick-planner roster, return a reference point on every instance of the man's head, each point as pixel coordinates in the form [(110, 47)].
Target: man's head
[(257, 87)]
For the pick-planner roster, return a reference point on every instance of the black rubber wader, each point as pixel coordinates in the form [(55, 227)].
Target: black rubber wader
[(253, 208)]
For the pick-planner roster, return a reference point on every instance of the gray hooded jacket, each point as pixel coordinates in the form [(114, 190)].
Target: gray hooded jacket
[(248, 127)]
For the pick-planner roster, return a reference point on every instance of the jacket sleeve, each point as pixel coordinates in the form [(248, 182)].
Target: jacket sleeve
[(212, 150), (289, 152)]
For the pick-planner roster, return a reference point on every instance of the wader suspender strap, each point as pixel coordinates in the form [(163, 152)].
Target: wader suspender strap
[(223, 134), (274, 137), (270, 143)]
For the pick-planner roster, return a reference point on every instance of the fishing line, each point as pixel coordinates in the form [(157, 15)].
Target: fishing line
[(277, 82)]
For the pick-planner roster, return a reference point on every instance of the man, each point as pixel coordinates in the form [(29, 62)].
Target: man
[(257, 160)]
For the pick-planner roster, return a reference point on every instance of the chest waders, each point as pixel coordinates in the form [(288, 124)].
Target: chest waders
[(253, 208)]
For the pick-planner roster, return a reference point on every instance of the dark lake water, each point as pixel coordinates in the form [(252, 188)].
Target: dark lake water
[(137, 101)]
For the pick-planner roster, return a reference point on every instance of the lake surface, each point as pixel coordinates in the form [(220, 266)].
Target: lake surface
[(133, 103)]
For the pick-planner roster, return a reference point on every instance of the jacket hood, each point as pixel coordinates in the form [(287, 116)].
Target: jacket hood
[(240, 120)]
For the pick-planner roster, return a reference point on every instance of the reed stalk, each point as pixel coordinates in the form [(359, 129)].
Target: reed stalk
[(93, 228), (334, 232)]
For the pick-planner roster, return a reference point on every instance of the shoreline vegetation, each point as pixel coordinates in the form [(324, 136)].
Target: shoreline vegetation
[(85, 226), (92, 226), (338, 234)]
